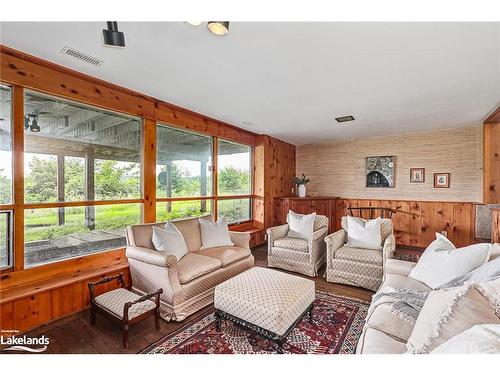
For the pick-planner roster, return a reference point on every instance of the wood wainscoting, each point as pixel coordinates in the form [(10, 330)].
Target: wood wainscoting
[(36, 296), (495, 226), (415, 222)]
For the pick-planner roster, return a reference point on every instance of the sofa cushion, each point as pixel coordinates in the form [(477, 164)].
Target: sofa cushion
[(226, 254), (386, 227), (364, 234), (441, 262), (194, 265), (214, 234), (359, 255), (190, 229), (480, 339), (403, 282), (170, 240), (291, 243), (300, 226), (382, 319), (376, 342), (447, 313)]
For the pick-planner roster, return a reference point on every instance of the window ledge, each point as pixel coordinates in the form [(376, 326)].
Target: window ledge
[(19, 292)]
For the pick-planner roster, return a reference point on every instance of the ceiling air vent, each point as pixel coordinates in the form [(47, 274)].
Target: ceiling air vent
[(81, 56), (344, 119)]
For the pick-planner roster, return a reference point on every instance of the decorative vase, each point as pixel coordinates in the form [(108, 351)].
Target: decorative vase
[(302, 191)]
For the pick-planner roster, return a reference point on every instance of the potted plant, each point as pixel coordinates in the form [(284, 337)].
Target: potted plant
[(301, 183)]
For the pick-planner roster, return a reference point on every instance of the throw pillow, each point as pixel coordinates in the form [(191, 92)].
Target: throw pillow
[(300, 226), (441, 262), (480, 339), (364, 234), (446, 313), (214, 234), (170, 240)]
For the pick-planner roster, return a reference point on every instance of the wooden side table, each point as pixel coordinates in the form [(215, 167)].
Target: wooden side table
[(123, 306)]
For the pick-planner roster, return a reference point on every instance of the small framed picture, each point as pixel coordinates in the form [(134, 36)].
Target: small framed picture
[(417, 174), (441, 180)]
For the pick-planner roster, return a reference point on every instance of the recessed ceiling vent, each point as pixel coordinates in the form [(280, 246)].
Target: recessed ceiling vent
[(344, 118), (81, 56)]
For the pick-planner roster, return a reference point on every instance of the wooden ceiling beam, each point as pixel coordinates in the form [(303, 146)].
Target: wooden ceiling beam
[(493, 118)]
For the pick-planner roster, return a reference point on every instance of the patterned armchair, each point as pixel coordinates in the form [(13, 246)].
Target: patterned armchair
[(295, 254), (354, 266)]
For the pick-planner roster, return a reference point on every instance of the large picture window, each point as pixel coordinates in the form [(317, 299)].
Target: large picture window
[(5, 145), (76, 153)]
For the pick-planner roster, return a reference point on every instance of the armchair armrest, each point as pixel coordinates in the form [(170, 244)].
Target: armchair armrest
[(149, 256), (240, 239), (317, 235), (398, 267), (335, 240), (273, 234), (389, 247)]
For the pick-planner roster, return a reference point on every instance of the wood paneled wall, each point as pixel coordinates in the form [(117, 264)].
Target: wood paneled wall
[(495, 226), (416, 222), (491, 142), (274, 171), (38, 295), (32, 297)]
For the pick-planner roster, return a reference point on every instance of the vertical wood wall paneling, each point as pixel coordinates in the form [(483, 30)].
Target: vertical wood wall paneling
[(149, 170), (18, 178), (215, 181), (415, 224), (491, 168), (7, 317), (495, 226), (32, 311)]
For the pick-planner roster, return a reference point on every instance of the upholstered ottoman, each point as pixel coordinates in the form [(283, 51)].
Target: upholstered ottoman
[(267, 301)]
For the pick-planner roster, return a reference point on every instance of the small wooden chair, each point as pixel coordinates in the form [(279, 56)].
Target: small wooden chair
[(123, 306), (371, 212)]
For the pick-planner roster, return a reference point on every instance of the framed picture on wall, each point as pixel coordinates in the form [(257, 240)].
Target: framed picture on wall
[(380, 171), (441, 180), (417, 174)]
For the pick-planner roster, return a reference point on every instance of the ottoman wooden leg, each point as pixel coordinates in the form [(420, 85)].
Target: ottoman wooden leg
[(279, 348), (310, 313), (218, 321)]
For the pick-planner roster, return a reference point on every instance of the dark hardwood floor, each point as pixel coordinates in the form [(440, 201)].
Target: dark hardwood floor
[(75, 334)]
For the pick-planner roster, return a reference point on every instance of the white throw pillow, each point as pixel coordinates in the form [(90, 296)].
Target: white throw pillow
[(441, 262), (214, 234), (300, 226), (170, 240), (447, 313), (480, 339), (364, 234)]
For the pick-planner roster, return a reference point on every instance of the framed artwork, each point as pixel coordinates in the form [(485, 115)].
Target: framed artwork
[(441, 180), (380, 171), (417, 174)]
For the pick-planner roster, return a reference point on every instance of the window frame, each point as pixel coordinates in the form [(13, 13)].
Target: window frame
[(22, 206), (215, 197)]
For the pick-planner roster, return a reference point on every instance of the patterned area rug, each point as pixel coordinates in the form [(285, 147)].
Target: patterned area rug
[(337, 325)]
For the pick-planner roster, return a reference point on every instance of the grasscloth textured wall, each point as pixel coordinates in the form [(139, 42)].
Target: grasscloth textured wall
[(338, 168)]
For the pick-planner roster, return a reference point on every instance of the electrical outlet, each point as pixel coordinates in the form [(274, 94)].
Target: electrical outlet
[(444, 233)]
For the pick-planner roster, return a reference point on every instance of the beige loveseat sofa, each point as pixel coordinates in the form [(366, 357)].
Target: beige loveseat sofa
[(384, 332), (188, 284)]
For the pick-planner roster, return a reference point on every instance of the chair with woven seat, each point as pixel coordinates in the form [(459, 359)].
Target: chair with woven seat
[(358, 266), (297, 254)]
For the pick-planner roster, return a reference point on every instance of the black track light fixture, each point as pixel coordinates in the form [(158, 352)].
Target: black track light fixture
[(34, 127), (113, 37), (218, 27), (26, 122)]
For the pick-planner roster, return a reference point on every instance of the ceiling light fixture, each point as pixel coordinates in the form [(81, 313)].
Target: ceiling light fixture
[(218, 27), (113, 37), (344, 118), (34, 127), (194, 23)]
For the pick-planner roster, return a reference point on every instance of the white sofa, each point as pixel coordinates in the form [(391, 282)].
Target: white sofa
[(384, 332)]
